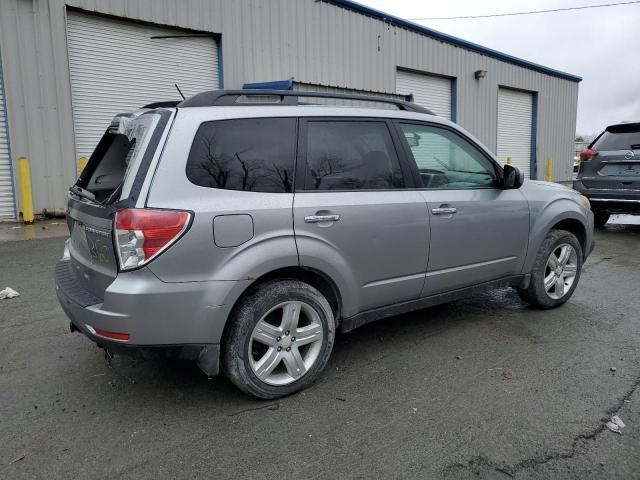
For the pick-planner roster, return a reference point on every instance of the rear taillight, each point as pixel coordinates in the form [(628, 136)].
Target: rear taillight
[(587, 154), (142, 234)]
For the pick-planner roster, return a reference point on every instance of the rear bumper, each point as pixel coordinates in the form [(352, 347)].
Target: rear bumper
[(187, 317), (610, 200), (207, 356)]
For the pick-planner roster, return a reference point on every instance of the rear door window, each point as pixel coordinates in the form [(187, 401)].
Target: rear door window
[(620, 137), (350, 155), (250, 154)]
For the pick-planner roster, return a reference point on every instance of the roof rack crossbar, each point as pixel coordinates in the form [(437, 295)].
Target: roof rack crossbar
[(290, 97), (163, 104)]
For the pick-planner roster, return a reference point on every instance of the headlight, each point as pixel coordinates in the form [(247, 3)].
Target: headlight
[(585, 201)]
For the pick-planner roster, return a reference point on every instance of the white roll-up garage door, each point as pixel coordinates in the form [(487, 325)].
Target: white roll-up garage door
[(428, 91), (515, 117), (7, 197), (117, 67)]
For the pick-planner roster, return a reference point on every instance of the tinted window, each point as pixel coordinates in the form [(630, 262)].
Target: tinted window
[(255, 154), (446, 160), (351, 156), (622, 138)]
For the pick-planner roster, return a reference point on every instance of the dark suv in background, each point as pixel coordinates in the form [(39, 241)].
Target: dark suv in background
[(609, 173)]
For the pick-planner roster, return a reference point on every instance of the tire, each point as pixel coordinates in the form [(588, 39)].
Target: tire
[(536, 294), (600, 218), (251, 358)]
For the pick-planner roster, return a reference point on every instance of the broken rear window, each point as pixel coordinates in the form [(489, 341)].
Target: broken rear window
[(117, 157)]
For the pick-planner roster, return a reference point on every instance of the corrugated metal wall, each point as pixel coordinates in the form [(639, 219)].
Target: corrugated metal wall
[(316, 42)]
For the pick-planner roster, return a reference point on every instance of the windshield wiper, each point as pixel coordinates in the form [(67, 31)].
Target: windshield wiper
[(442, 164), (81, 192)]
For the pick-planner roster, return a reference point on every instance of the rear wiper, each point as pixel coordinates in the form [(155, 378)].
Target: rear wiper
[(81, 192), (110, 199)]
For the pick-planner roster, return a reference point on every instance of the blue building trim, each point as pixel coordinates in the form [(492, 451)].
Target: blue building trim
[(454, 99), (220, 64), (414, 27), (275, 85), (6, 122), (534, 137)]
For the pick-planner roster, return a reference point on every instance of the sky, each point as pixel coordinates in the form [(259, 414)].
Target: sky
[(601, 45)]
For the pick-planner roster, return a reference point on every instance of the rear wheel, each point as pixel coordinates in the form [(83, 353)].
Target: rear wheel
[(279, 339), (556, 271), (600, 218)]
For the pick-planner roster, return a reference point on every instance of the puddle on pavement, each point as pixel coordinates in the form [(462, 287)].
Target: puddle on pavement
[(14, 231)]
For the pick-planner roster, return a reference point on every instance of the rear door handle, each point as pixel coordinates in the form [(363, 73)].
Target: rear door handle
[(322, 218), (444, 211)]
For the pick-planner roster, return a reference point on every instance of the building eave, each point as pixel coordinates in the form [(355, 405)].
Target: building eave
[(459, 42)]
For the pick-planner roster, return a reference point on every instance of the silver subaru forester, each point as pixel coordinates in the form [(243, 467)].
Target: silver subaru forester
[(242, 229)]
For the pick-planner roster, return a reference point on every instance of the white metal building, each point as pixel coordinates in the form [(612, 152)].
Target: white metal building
[(67, 66)]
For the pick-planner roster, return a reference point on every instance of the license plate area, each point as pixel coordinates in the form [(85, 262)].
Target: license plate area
[(95, 245), (622, 169), (79, 240)]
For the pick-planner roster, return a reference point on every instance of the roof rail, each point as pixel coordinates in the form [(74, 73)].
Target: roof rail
[(289, 97)]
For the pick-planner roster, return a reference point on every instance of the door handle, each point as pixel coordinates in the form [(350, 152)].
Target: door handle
[(322, 218), (444, 211)]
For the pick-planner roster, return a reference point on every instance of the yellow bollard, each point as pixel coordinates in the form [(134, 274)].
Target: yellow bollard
[(549, 176), (509, 161), (82, 163), (26, 198)]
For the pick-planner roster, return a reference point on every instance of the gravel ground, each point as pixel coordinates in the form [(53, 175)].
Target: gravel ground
[(482, 388)]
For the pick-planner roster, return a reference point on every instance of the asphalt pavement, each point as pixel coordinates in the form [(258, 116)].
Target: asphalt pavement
[(481, 388)]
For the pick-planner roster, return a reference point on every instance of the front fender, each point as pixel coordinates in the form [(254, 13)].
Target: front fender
[(544, 216)]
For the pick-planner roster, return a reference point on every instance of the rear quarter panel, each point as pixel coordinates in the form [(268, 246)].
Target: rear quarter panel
[(196, 257)]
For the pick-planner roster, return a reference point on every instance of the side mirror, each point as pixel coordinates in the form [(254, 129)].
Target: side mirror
[(413, 139), (513, 177)]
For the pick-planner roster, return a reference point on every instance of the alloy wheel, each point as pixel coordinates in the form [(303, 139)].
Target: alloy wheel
[(560, 271), (286, 343)]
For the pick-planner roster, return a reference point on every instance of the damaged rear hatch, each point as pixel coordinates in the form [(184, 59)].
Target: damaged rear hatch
[(113, 179)]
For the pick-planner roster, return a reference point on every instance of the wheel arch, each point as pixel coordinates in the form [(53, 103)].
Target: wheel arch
[(562, 214), (317, 279), (575, 226)]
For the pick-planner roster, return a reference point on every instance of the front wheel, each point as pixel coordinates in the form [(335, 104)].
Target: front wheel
[(279, 339), (556, 271)]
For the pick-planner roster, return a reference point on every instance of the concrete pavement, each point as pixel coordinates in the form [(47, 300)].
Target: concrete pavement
[(527, 397)]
